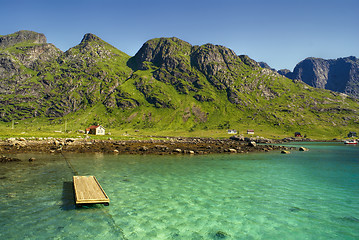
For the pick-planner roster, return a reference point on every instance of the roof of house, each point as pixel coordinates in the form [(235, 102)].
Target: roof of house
[(93, 127)]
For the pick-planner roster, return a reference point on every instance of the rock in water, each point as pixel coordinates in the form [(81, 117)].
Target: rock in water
[(303, 149), (4, 159), (294, 209), (221, 235), (285, 152)]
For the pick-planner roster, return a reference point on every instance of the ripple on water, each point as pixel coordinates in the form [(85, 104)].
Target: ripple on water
[(255, 196)]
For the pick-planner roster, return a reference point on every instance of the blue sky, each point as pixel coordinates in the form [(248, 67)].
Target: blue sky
[(279, 32)]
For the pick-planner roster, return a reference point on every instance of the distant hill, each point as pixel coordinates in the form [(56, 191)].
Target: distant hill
[(340, 75), (168, 84)]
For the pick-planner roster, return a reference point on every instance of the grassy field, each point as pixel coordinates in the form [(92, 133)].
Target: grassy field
[(68, 128)]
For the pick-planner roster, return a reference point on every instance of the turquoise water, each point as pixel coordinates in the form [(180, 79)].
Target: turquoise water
[(303, 195)]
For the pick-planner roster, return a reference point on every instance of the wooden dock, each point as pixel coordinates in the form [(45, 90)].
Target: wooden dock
[(88, 190)]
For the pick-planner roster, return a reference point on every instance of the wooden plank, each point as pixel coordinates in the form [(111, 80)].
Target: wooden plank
[(89, 190)]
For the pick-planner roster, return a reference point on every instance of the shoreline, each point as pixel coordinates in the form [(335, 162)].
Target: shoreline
[(160, 147)]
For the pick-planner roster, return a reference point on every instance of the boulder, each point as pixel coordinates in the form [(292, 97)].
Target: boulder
[(285, 152), (143, 148), (303, 149), (252, 144), (177, 150), (221, 235), (237, 138), (231, 150)]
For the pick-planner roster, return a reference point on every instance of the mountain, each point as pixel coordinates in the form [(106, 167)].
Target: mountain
[(340, 75), (21, 54), (168, 84), (265, 65), (37, 79)]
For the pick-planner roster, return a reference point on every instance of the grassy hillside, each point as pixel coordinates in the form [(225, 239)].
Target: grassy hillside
[(168, 88)]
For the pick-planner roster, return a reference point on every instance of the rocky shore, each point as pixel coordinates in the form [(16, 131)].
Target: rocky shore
[(166, 146)]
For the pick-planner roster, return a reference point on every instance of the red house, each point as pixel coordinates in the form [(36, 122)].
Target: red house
[(297, 134)]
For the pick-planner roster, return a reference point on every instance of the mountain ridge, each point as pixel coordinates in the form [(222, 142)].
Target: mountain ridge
[(340, 75), (167, 84)]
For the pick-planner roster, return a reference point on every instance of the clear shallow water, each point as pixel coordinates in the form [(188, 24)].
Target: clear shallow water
[(304, 195)]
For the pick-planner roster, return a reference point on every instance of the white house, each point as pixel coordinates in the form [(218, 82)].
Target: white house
[(96, 130), (250, 131), (232, 131)]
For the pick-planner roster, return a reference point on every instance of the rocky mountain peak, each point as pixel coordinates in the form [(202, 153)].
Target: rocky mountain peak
[(316, 69), (22, 36), (212, 53), (248, 61), (340, 75), (90, 49), (264, 65), (353, 58), (167, 52), (89, 37), (285, 72)]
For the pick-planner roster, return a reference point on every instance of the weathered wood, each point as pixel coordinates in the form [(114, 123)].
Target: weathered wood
[(88, 190)]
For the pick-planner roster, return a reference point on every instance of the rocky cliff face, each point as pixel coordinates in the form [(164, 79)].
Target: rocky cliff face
[(167, 53), (22, 37), (21, 55), (340, 75), (21, 50)]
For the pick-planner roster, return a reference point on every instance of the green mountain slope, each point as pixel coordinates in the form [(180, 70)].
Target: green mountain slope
[(40, 80), (210, 86), (168, 84)]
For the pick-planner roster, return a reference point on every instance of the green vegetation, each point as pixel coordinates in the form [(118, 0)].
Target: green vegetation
[(169, 88)]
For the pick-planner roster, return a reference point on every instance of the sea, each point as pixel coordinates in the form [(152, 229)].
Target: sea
[(302, 195)]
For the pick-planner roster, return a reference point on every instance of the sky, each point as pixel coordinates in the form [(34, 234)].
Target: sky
[(279, 32)]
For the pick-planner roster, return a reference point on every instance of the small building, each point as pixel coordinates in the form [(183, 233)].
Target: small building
[(95, 130), (250, 131), (352, 134), (297, 134), (232, 131)]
